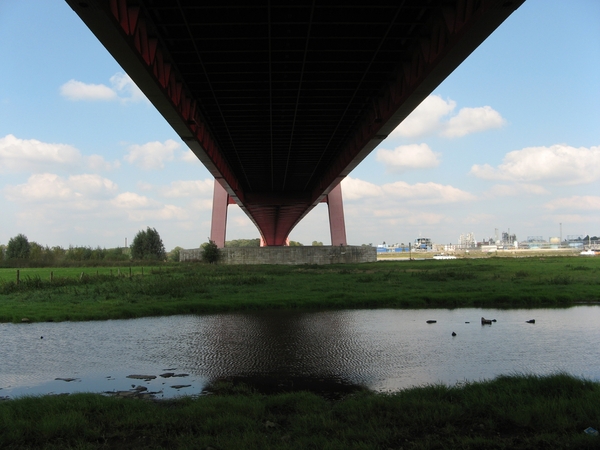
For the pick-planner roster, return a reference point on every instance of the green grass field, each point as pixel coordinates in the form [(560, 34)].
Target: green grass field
[(101, 293), (514, 412), (7, 275)]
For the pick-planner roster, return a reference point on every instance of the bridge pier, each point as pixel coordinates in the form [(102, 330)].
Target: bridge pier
[(337, 225), (221, 201), (218, 225)]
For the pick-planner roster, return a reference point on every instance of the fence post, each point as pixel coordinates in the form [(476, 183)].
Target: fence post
[(18, 277), (129, 271), (51, 276)]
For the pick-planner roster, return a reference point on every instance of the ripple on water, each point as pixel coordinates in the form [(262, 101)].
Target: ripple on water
[(377, 349)]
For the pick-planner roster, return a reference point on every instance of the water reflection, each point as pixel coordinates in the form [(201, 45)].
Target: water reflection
[(377, 349)]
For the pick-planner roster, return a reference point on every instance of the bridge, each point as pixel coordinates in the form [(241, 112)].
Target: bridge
[(281, 99)]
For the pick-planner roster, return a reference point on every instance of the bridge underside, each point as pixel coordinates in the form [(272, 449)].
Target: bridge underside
[(281, 100)]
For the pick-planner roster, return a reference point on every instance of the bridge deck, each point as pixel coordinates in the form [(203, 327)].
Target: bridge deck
[(282, 99)]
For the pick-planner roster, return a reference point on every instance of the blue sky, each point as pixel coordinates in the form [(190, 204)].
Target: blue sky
[(510, 140)]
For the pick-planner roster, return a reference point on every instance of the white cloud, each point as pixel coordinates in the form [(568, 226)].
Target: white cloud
[(515, 190), (473, 120), (139, 208), (90, 185), (354, 189), (429, 118), (191, 188), (426, 193), (98, 163), (152, 155), (203, 204), (126, 89), (20, 155), (77, 90), (421, 193), (426, 118), (190, 157), (575, 203), (406, 157), (122, 88), (51, 187), (131, 200), (31, 155), (558, 164)]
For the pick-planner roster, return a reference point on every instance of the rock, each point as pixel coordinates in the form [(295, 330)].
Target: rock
[(142, 377), (125, 394), (531, 321), (66, 379), (181, 375), (140, 388), (432, 321), (453, 333), (167, 375), (25, 320), (179, 386)]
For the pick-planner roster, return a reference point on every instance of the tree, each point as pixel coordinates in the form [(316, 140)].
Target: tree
[(243, 243), (174, 254), (317, 243), (295, 244), (148, 245), (210, 253), (18, 247)]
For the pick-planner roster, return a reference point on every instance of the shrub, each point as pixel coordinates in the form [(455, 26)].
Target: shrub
[(211, 252)]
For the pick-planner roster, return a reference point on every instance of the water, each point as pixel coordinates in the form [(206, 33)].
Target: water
[(383, 350)]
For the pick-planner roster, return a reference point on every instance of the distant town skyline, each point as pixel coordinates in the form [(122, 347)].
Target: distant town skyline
[(510, 140)]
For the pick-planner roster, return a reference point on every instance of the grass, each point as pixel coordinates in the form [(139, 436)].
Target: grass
[(510, 412), (99, 293)]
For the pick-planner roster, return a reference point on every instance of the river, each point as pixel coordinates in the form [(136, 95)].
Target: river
[(381, 349)]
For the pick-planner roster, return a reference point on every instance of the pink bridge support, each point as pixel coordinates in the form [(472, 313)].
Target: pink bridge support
[(219, 215), (221, 201), (337, 224)]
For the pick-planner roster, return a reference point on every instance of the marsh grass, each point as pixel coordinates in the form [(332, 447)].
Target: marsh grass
[(204, 288), (510, 412)]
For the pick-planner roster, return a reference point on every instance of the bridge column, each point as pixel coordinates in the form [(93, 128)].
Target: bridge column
[(337, 224), (218, 225)]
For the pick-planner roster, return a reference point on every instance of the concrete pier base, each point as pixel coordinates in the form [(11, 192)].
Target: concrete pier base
[(289, 255)]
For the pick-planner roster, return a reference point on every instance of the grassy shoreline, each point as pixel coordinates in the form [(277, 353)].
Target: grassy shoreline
[(520, 412), (99, 294)]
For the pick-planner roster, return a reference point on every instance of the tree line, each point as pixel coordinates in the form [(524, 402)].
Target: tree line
[(147, 245)]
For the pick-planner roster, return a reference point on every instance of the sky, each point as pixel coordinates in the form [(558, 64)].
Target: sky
[(510, 141)]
